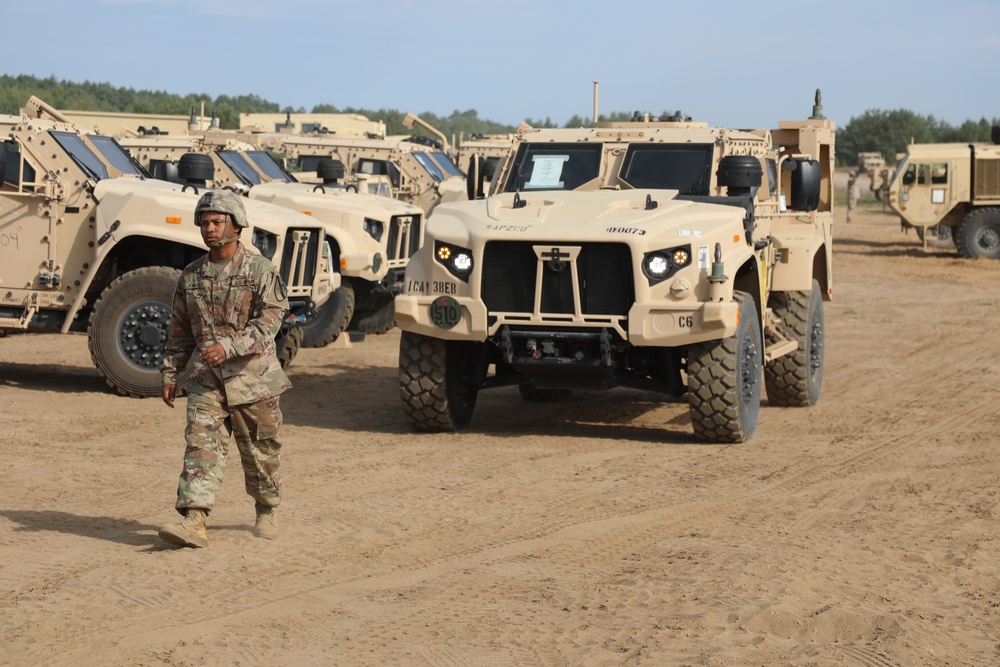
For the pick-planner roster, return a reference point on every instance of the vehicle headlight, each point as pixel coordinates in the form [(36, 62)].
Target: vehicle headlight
[(265, 242), (374, 228), (456, 259), (659, 265)]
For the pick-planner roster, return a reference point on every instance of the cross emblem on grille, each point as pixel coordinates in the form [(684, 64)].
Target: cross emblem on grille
[(555, 255)]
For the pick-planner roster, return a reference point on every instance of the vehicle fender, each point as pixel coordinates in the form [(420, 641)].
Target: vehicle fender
[(801, 252)]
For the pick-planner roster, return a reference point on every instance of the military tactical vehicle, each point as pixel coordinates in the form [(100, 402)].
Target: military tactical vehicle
[(658, 255), (951, 191), (90, 243), (872, 165), (420, 174), (371, 238)]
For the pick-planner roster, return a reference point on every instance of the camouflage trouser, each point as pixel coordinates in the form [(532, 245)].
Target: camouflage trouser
[(256, 427)]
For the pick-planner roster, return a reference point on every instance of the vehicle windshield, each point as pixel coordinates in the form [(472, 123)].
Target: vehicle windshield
[(554, 166), (241, 166), (901, 168), (446, 164), (90, 161), (271, 168), (683, 167), (429, 164)]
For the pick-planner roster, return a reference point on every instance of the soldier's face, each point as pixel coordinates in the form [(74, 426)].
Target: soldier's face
[(215, 228)]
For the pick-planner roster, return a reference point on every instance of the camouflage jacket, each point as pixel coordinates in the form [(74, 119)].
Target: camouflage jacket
[(240, 306)]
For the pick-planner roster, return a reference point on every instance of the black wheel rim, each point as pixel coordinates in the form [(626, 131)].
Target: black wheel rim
[(143, 332), (988, 240), (815, 348), (749, 372)]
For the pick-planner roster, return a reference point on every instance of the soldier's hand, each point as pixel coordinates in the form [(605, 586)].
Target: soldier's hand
[(213, 354), (169, 392)]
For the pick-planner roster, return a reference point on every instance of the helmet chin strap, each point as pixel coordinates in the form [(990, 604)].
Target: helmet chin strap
[(226, 240)]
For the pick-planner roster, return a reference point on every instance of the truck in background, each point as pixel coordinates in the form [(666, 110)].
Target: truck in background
[(951, 191)]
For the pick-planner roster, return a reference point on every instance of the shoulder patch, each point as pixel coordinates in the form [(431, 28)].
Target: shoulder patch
[(280, 291)]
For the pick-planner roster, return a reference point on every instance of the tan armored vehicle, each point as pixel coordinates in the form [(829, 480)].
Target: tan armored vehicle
[(89, 243), (420, 174), (951, 191), (667, 256), (371, 237)]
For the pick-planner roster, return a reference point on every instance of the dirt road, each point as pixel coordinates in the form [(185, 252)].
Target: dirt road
[(863, 531)]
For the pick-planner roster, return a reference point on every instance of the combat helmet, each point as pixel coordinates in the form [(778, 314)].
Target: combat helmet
[(222, 201)]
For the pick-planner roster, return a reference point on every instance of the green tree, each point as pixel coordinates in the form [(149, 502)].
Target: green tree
[(890, 132)]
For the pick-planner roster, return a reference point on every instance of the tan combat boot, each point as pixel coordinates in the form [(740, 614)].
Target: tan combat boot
[(267, 523), (190, 532)]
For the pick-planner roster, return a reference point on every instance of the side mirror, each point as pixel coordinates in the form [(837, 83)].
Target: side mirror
[(474, 178)]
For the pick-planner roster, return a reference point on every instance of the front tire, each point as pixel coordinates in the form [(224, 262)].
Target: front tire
[(435, 382), (376, 319), (330, 320), (129, 327), (287, 345), (979, 234), (795, 380), (724, 383)]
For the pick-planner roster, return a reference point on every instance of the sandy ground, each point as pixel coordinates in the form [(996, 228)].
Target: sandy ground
[(863, 531)]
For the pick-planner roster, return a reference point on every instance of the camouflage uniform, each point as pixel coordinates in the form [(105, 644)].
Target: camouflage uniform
[(240, 306)]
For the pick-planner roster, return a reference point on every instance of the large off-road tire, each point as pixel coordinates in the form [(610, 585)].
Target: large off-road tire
[(288, 345), (724, 380), (530, 392), (435, 382), (129, 327), (331, 319), (795, 379), (378, 318), (978, 235)]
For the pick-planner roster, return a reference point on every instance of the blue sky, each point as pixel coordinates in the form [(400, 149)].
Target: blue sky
[(730, 63)]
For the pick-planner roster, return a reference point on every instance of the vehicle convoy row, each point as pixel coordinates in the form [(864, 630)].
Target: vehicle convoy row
[(659, 255), (371, 237), (656, 254), (952, 191), (90, 243), (418, 172)]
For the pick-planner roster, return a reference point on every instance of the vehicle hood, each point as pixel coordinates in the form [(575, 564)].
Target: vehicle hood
[(584, 216), (160, 202), (329, 205)]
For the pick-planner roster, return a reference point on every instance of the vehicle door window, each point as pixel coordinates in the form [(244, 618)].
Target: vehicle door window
[(13, 166), (939, 173)]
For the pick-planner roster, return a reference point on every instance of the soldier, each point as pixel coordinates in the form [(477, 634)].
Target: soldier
[(228, 307), (852, 194)]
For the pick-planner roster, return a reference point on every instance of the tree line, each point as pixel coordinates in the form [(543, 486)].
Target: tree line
[(886, 131)]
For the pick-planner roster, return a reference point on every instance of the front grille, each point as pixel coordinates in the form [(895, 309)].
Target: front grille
[(299, 259), (404, 237), (604, 270)]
